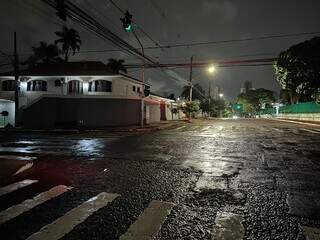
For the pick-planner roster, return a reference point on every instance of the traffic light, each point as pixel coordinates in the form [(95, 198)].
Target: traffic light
[(61, 9), (238, 107), (127, 21)]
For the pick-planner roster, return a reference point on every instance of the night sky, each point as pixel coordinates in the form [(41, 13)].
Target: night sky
[(173, 22)]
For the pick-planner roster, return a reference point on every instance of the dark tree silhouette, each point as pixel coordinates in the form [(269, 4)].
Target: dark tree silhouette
[(116, 65), (44, 53), (298, 70), (70, 41)]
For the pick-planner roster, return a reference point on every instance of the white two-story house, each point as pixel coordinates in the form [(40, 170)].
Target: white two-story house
[(73, 94)]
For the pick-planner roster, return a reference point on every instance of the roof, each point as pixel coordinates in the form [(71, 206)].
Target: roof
[(85, 68)]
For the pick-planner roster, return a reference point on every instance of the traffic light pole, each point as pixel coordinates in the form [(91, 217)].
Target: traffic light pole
[(142, 80), (16, 81)]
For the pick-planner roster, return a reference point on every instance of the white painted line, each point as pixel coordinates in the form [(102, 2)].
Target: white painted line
[(67, 222), (277, 130), (206, 128), (309, 130), (179, 128), (228, 226), (148, 224), (24, 168), (15, 186), (26, 205), (311, 233), (303, 123)]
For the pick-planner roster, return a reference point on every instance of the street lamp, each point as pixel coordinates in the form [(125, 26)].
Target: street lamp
[(211, 69), (221, 95)]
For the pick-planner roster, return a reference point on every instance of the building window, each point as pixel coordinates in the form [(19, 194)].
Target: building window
[(138, 90), (100, 86), (57, 83), (134, 88), (75, 87), (8, 85), (37, 85)]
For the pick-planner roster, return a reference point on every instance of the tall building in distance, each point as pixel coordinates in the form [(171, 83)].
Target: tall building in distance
[(215, 91), (246, 87)]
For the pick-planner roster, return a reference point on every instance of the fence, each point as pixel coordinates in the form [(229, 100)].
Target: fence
[(307, 107)]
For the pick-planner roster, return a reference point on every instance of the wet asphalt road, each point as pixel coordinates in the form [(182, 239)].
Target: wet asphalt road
[(266, 171)]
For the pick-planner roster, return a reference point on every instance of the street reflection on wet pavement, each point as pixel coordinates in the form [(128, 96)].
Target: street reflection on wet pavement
[(253, 179)]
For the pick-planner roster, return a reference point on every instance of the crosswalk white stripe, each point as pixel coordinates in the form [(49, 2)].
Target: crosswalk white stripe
[(67, 222), (26, 205), (149, 222), (15, 186)]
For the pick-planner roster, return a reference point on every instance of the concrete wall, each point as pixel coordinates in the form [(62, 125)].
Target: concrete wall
[(296, 116), (301, 116), (53, 112)]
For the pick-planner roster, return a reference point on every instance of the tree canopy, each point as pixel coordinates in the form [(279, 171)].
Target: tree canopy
[(70, 41), (254, 100), (44, 53), (298, 71), (116, 65)]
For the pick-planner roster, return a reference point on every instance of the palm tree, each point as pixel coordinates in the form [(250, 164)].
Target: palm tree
[(44, 53), (70, 40), (116, 65)]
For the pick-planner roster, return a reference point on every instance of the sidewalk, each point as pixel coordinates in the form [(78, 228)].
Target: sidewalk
[(147, 128), (311, 123)]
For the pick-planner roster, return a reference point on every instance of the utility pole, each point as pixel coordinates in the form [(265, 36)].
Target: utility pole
[(16, 80), (190, 79), (190, 82), (209, 98), (142, 80)]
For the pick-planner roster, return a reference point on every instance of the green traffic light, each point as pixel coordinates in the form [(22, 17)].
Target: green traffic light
[(129, 28)]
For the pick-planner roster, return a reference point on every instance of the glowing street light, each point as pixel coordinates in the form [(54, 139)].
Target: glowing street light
[(211, 69), (221, 95)]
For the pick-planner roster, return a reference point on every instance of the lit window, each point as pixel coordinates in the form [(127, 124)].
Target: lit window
[(37, 85), (100, 86)]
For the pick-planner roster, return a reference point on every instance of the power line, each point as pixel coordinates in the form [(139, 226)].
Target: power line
[(192, 44)]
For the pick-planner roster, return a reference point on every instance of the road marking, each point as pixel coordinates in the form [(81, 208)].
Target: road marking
[(26, 205), (67, 222), (148, 224), (311, 233), (304, 123), (24, 168), (206, 128), (228, 226), (179, 128), (277, 130), (309, 130), (15, 186)]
